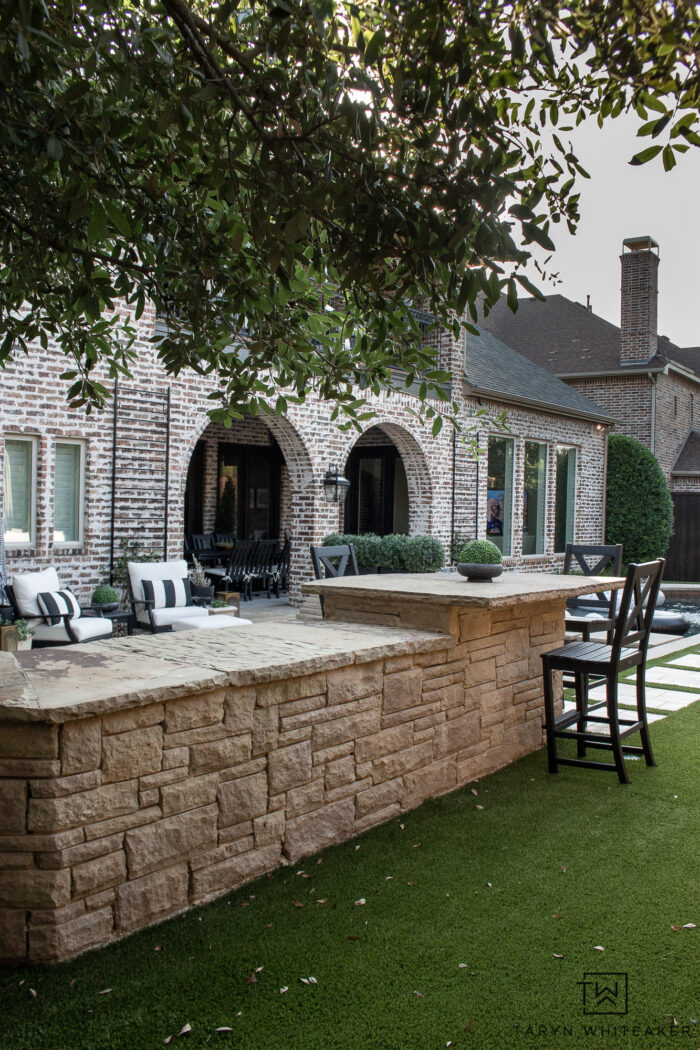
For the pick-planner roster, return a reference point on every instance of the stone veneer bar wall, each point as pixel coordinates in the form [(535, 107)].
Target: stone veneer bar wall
[(141, 777)]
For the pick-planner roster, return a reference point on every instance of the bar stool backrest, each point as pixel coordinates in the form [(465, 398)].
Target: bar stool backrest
[(594, 560), (637, 606)]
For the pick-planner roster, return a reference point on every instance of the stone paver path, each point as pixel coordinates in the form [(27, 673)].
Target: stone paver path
[(689, 679), (691, 660)]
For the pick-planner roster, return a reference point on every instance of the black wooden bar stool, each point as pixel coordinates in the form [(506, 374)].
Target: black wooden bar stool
[(586, 660)]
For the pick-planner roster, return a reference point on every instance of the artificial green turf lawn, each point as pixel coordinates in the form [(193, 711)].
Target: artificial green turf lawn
[(552, 864)]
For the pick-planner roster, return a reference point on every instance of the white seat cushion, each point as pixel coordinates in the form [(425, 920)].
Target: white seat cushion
[(153, 570), (85, 629), (211, 623), (29, 585), (166, 617)]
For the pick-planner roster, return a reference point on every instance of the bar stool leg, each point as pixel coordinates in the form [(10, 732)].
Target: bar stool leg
[(581, 681), (615, 741), (549, 715), (642, 715)]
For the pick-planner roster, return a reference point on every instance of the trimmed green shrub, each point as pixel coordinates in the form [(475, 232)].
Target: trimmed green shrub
[(480, 552), (639, 508), (392, 552), (104, 595), (424, 554)]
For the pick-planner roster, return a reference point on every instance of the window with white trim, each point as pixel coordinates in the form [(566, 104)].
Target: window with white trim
[(69, 472), (565, 499), (20, 491), (534, 495)]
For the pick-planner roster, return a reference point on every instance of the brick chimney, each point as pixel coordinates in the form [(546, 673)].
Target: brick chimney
[(638, 300)]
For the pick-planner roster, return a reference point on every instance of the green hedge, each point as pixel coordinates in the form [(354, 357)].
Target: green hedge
[(393, 553), (639, 508)]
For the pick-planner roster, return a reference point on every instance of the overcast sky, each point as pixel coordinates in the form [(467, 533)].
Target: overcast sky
[(620, 201)]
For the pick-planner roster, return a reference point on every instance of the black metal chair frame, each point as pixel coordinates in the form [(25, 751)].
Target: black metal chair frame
[(238, 571), (263, 567), (281, 580), (602, 603), (587, 659), (334, 562), (72, 638)]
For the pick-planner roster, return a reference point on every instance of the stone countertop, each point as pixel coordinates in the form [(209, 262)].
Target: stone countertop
[(442, 588), (75, 681)]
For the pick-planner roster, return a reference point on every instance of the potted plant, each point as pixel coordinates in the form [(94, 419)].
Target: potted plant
[(219, 606), (24, 634), (479, 560), (201, 585), (104, 598)]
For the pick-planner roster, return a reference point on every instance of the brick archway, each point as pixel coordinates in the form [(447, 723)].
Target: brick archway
[(415, 462), (297, 495)]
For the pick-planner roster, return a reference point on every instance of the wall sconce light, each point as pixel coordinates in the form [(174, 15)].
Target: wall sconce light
[(335, 486)]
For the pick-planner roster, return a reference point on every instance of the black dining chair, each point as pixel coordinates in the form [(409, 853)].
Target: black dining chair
[(586, 660), (596, 611), (331, 562)]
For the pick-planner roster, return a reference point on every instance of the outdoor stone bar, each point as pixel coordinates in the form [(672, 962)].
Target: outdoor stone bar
[(145, 775)]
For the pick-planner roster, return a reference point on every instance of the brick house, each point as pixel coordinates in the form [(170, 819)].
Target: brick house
[(651, 386), (152, 467)]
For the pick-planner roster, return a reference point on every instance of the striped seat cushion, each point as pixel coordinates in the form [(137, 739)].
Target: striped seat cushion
[(55, 604), (167, 594)]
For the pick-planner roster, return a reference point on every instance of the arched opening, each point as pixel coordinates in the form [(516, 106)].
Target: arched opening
[(236, 481), (253, 480), (389, 483)]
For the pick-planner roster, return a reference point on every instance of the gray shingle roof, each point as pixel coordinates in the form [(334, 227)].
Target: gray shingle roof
[(495, 370), (568, 339), (688, 461)]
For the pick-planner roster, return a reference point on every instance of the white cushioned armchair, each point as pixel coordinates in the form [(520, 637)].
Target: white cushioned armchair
[(160, 594), (53, 612)]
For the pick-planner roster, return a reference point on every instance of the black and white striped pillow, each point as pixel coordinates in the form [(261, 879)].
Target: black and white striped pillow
[(55, 604), (168, 594)]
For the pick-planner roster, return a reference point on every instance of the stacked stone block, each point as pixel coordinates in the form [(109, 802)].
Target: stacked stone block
[(112, 822)]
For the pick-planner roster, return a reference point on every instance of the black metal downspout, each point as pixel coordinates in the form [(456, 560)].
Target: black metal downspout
[(167, 475), (454, 476), (114, 485), (478, 483)]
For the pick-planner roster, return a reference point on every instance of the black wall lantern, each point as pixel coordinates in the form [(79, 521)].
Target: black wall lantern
[(335, 486)]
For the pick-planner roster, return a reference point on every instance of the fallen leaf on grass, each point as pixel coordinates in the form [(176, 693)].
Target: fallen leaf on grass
[(185, 1031), (478, 807), (105, 991), (269, 926), (409, 883), (303, 875), (474, 791), (563, 868), (557, 956), (297, 904), (673, 1020), (252, 979), (690, 926), (322, 900), (353, 937), (556, 916), (284, 990), (417, 845), (418, 995), (223, 1028), (32, 992), (312, 980), (598, 948), (356, 848), (358, 904), (676, 929)]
